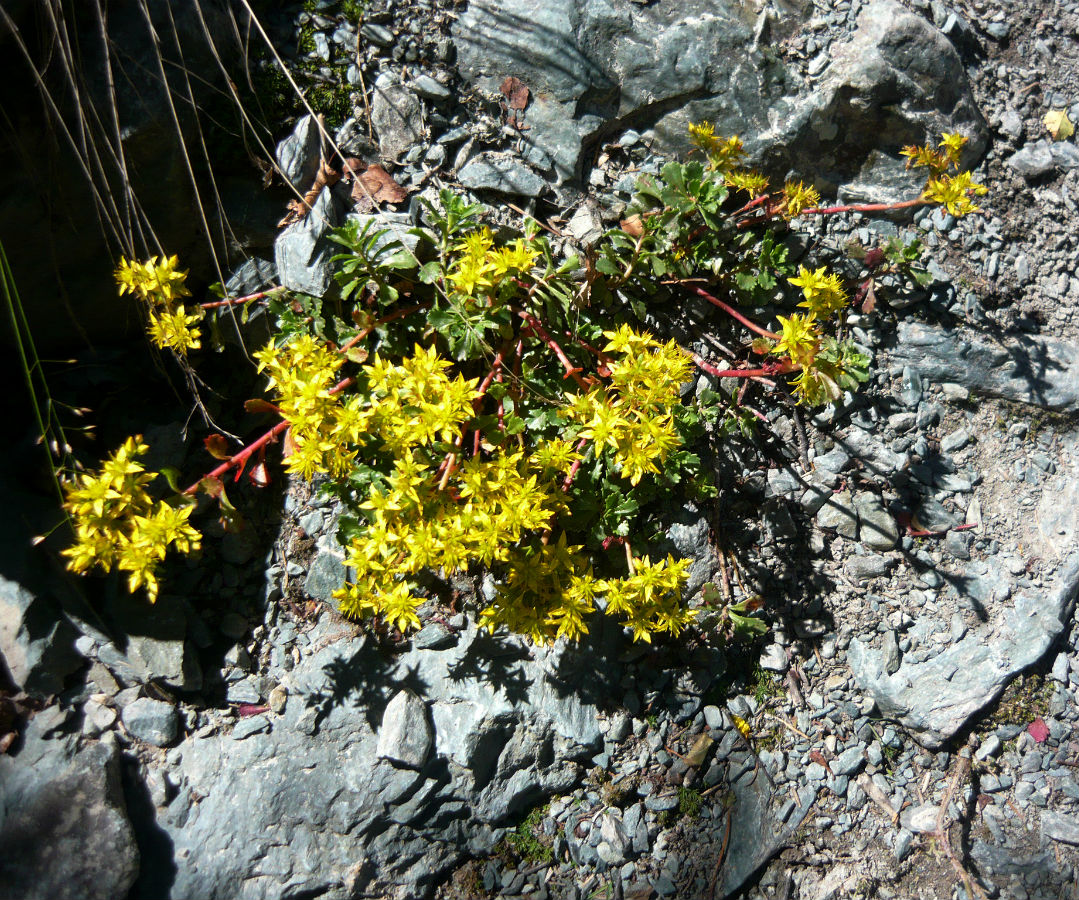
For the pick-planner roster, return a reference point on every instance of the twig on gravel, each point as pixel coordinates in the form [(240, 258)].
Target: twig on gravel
[(962, 767), (875, 794)]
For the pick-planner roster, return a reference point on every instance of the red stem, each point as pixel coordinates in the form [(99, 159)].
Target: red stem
[(862, 207), (731, 311), (540, 332), (236, 301), (240, 458), (779, 368), (575, 468)]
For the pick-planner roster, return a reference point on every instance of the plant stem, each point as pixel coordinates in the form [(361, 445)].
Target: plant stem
[(238, 301), (862, 207), (779, 368), (731, 311)]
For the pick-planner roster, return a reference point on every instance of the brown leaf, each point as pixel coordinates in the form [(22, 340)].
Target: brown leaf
[(250, 709), (217, 446), (515, 92), (699, 751), (819, 759), (633, 226), (257, 405), (376, 184), (870, 301)]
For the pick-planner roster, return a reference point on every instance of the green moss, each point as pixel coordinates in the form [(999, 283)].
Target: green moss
[(528, 842), (689, 802), (1023, 701), (765, 686)]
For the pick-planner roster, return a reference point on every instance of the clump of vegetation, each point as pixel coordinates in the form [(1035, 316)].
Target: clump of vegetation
[(477, 402), (527, 842)]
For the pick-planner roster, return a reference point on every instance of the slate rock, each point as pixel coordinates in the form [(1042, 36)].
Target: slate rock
[(490, 171), (406, 736), (1042, 371), (396, 115), (36, 640), (935, 698), (302, 251), (64, 828), (1059, 827), (298, 154), (326, 574), (877, 527), (1042, 157), (152, 721), (839, 513), (156, 636)]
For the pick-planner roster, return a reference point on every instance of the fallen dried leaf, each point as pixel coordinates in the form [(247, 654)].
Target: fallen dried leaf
[(870, 301), (633, 226), (699, 751), (1059, 125), (1038, 730), (250, 709), (377, 185), (515, 92)]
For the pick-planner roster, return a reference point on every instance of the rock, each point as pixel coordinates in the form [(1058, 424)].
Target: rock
[(1042, 371), (849, 762), (406, 736), (157, 645), (379, 35), (492, 172), (1059, 827), (36, 639), (920, 819), (397, 117), (877, 527), (425, 86), (326, 575), (298, 154), (839, 513), (250, 725), (1043, 157), (935, 698), (302, 252), (773, 659), (96, 718), (596, 68), (64, 825), (152, 721), (866, 568)]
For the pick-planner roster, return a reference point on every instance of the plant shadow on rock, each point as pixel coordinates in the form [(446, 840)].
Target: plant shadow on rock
[(157, 864)]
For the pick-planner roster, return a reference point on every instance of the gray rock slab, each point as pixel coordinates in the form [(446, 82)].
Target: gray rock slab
[(397, 117), (63, 823), (597, 68), (935, 698), (1042, 371), (406, 736), (297, 155), (490, 171), (1059, 827), (152, 721), (302, 252), (877, 528), (1042, 157), (36, 640), (839, 512)]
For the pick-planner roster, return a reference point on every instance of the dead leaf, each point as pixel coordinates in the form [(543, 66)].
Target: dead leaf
[(819, 759), (259, 475), (515, 92), (250, 709), (1059, 125), (257, 405), (327, 176), (633, 226), (870, 301), (699, 751), (377, 185), (217, 447), (1038, 730)]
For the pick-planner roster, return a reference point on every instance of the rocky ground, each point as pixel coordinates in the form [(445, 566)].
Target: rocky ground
[(912, 711)]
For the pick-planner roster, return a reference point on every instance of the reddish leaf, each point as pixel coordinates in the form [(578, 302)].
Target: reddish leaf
[(874, 258), (377, 185), (217, 446), (250, 709), (870, 301), (1038, 730), (260, 406), (289, 446), (212, 487), (515, 92)]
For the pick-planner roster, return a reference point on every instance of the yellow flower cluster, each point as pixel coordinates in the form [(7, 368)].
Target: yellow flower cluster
[(953, 191), (824, 293), (631, 417), (551, 590), (480, 266), (797, 198), (799, 339), (117, 523), (724, 154), (417, 523), (159, 284)]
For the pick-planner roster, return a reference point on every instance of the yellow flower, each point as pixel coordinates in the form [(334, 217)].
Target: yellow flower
[(824, 294), (953, 145), (799, 338), (797, 198), (157, 282), (753, 183), (953, 192), (175, 330)]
